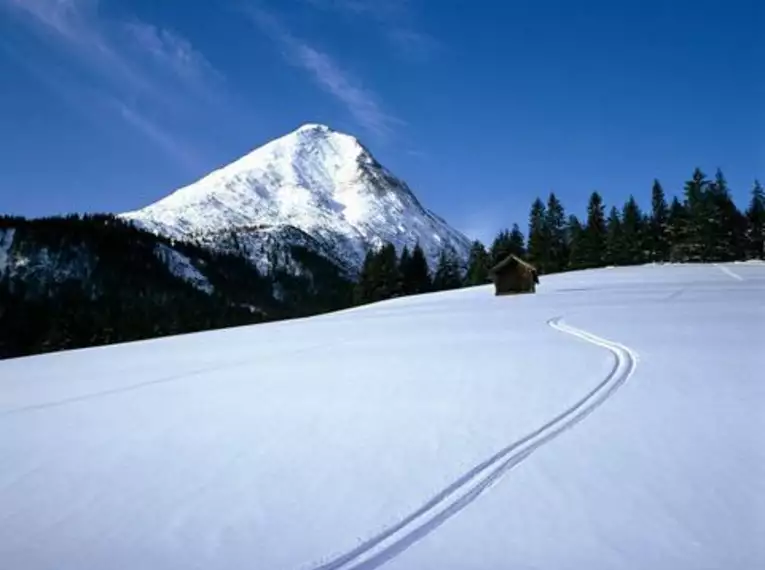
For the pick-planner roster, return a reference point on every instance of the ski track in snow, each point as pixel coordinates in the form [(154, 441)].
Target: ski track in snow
[(729, 272), (388, 544)]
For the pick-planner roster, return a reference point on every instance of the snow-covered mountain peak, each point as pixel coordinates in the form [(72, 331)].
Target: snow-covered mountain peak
[(316, 128), (318, 180)]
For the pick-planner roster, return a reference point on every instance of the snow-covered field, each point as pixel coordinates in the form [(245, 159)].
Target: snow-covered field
[(614, 420)]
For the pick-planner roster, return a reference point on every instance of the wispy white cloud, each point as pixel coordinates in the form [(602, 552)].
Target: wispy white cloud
[(160, 137), (64, 17), (395, 19), (116, 56), (76, 27), (379, 10), (412, 45), (363, 104), (170, 50)]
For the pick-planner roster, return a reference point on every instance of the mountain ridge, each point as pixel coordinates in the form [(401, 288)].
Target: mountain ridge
[(319, 182)]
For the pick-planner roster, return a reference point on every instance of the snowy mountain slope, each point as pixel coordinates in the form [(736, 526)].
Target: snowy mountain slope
[(299, 450), (272, 246), (41, 261), (182, 267), (314, 179)]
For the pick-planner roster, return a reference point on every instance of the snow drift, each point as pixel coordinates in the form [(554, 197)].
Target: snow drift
[(613, 420)]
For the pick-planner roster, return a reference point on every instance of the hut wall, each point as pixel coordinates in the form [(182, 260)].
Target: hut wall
[(514, 281)]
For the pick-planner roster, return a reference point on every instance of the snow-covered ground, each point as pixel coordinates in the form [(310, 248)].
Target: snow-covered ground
[(614, 420)]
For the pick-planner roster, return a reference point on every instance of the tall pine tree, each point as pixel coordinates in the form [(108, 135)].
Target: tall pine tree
[(365, 287), (614, 238), (404, 263), (696, 237), (447, 275), (594, 238), (506, 243), (726, 225), (575, 242), (677, 223), (416, 275), (539, 243), (389, 280), (755, 217), (659, 224), (555, 225), (500, 247), (478, 265), (517, 242), (632, 233)]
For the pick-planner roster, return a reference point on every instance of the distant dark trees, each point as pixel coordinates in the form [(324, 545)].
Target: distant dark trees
[(384, 275), (93, 280), (702, 224), (755, 226)]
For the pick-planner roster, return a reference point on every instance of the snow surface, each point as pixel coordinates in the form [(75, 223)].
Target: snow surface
[(181, 266), (6, 242), (320, 181), (611, 421)]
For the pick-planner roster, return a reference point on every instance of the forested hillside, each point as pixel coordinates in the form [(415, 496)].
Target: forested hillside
[(76, 281), (81, 281), (703, 224)]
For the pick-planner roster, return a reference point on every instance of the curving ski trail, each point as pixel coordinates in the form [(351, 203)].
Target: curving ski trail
[(386, 545)]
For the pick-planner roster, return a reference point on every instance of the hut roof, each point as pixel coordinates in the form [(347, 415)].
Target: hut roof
[(509, 262)]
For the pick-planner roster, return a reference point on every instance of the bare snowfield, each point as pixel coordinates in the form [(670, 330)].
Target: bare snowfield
[(614, 420)]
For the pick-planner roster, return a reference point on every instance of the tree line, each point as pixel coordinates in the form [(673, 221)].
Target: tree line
[(96, 279), (702, 225), (385, 275)]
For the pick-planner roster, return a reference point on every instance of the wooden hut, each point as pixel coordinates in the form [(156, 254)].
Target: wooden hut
[(513, 275)]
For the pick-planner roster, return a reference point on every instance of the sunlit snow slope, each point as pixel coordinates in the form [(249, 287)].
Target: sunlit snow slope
[(320, 182), (611, 421)]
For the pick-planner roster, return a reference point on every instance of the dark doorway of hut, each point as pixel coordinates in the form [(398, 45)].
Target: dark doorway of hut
[(512, 276)]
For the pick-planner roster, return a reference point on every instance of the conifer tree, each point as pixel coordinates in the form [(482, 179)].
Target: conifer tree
[(501, 247), (555, 222), (696, 238), (659, 224), (506, 243), (365, 286), (447, 275), (727, 226), (755, 217), (403, 264), (594, 238), (417, 274), (677, 222), (614, 238), (575, 242), (539, 243), (478, 265), (632, 233), (389, 280), (517, 242)]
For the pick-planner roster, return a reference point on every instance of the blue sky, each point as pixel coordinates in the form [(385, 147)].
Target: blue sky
[(108, 105)]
